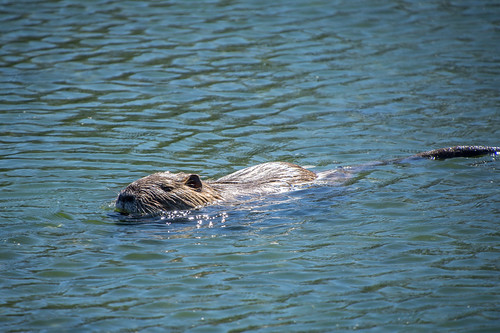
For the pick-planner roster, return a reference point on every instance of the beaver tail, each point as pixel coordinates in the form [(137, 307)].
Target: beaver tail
[(458, 151)]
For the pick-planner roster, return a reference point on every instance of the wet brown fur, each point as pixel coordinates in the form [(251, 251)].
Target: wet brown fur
[(165, 191)]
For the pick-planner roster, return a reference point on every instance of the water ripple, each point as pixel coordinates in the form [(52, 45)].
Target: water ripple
[(97, 94)]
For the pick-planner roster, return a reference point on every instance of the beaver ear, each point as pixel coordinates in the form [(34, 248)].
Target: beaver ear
[(193, 181)]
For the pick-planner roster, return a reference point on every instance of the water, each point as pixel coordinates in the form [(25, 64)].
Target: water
[(96, 94)]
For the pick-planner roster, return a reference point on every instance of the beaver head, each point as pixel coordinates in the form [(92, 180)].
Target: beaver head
[(165, 191)]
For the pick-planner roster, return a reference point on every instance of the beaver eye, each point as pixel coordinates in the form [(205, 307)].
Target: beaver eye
[(166, 188)]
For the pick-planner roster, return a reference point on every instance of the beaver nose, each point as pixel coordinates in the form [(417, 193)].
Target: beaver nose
[(126, 198)]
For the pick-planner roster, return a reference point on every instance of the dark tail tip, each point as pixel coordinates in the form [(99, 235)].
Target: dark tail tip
[(458, 151)]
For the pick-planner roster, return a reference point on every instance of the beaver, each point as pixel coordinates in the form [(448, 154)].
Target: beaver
[(166, 191)]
